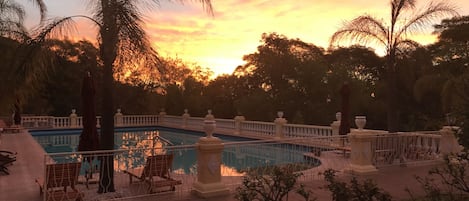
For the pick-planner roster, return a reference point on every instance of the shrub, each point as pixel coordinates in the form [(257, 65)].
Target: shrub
[(451, 182), (355, 191), (270, 184)]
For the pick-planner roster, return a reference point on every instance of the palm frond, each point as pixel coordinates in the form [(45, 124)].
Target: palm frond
[(42, 8), (398, 6), (11, 11), (402, 45), (363, 29), (13, 30), (134, 46), (422, 20)]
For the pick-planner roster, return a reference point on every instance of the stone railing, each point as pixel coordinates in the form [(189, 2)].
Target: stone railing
[(369, 149)]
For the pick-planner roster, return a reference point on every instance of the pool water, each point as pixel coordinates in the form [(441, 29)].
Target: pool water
[(238, 158)]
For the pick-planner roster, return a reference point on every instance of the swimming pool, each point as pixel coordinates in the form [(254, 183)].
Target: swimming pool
[(237, 157)]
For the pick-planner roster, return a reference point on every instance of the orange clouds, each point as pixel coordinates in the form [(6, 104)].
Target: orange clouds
[(219, 42)]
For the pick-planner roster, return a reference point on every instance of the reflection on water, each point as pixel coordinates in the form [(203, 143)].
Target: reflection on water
[(141, 144)]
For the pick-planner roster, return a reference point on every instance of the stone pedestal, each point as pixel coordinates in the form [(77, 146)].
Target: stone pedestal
[(185, 117), (238, 120), (118, 118), (449, 142), (361, 153), (209, 182), (279, 123), (73, 119), (161, 116)]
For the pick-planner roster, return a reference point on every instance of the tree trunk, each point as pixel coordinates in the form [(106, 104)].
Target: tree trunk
[(108, 54), (392, 96)]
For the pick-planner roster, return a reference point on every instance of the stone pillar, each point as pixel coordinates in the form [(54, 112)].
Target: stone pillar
[(161, 116), (361, 156), (209, 150), (238, 120), (335, 126), (73, 119), (449, 142), (361, 152), (279, 123), (118, 118), (185, 117)]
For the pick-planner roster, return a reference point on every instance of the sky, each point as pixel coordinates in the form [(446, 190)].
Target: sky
[(220, 41)]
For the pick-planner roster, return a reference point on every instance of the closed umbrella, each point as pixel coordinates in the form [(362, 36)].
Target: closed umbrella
[(89, 140)]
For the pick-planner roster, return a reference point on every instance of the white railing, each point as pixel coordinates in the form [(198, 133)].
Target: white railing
[(265, 129), (294, 130), (140, 120), (225, 124), (36, 121), (405, 148), (60, 122), (195, 123)]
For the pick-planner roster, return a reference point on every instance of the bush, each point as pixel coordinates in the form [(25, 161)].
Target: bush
[(355, 191), (451, 182), (270, 184)]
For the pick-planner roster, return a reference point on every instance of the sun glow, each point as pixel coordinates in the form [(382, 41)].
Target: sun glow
[(220, 41)]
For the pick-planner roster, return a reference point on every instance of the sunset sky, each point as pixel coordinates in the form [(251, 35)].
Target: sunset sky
[(220, 41)]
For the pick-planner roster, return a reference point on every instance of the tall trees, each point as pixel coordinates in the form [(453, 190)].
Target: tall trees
[(122, 41), (13, 34), (394, 37)]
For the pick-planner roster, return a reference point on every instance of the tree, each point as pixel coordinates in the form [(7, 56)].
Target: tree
[(394, 37), (290, 72), (12, 17), (12, 28), (451, 56), (122, 41)]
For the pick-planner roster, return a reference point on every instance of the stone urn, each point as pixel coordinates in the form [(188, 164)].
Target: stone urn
[(209, 124), (360, 121), (338, 116), (280, 114), (209, 127)]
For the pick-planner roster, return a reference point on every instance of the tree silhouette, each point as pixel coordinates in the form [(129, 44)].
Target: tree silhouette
[(394, 37)]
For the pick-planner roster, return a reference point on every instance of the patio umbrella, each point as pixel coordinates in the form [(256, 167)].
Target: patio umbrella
[(89, 140), (344, 128)]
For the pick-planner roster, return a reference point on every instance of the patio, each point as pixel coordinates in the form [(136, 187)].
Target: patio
[(20, 184)]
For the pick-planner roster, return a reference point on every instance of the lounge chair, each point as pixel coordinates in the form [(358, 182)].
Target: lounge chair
[(155, 173), (58, 178), (3, 165), (7, 155), (6, 159)]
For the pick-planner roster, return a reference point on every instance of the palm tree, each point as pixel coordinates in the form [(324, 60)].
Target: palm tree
[(12, 17), (122, 41), (394, 37), (13, 33)]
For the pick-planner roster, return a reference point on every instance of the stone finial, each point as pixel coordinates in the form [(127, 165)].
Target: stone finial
[(209, 115), (338, 116)]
